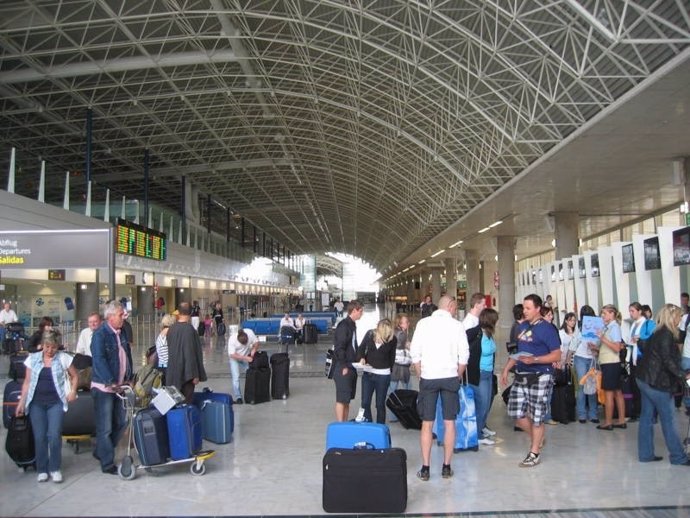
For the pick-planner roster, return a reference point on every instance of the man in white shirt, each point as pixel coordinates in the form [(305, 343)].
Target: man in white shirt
[(286, 321), (7, 315), (299, 326), (476, 305), (84, 342), (439, 353), (241, 349), (339, 306)]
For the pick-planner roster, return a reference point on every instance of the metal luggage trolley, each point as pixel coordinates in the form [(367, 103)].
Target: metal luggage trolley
[(127, 470)]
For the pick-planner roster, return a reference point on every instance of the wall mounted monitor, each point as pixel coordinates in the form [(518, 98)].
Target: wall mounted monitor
[(595, 265), (560, 271), (132, 239), (553, 273), (571, 271), (581, 267), (681, 246), (652, 257), (628, 259)]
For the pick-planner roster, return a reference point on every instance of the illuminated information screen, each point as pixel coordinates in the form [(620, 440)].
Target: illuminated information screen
[(132, 239)]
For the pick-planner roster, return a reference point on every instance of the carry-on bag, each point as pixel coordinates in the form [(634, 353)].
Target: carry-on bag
[(207, 394), (357, 435), (151, 436), (563, 403), (17, 370), (184, 431), (79, 418), (403, 404), (466, 436), (217, 421), (311, 333), (280, 376), (259, 360), (19, 444), (257, 386), (10, 400), (365, 480)]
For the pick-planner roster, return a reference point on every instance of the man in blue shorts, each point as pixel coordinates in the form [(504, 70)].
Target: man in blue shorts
[(439, 353), (538, 348)]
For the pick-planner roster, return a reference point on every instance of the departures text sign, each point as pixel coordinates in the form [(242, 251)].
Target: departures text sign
[(56, 249)]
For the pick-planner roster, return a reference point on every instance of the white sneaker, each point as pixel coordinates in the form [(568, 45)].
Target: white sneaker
[(56, 476), (488, 432), (486, 441), (42, 477), (360, 416)]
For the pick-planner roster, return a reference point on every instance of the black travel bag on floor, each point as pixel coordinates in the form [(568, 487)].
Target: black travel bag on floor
[(365, 481), (257, 386), (79, 418), (403, 404), (311, 333), (10, 400), (280, 376), (563, 404)]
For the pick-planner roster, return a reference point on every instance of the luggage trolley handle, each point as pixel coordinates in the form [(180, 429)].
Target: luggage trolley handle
[(127, 396)]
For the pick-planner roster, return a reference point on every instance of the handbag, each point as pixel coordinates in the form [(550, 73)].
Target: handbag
[(330, 363), (591, 380)]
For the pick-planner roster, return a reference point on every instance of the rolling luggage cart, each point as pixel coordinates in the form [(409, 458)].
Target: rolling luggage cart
[(127, 470)]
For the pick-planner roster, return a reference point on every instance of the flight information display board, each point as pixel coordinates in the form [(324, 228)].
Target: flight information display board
[(132, 239)]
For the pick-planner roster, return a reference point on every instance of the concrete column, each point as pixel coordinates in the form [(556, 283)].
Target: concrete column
[(451, 264), (410, 290), (567, 234), (435, 284), (505, 246), (145, 300), (472, 272), (87, 300)]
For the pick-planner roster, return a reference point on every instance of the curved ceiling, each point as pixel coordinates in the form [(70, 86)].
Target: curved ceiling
[(362, 127)]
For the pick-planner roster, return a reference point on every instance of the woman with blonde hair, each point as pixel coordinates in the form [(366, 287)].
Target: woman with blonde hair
[(162, 344), (609, 348), (377, 352), (659, 373)]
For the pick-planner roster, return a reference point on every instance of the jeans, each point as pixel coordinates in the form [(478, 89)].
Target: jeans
[(685, 365), (662, 402), (583, 401), (46, 422), (392, 386), (379, 383), (111, 421), (482, 398), (235, 367)]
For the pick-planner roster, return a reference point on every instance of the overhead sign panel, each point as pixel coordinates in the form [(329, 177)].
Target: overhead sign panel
[(55, 249)]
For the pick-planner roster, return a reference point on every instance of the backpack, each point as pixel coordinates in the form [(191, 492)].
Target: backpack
[(146, 379)]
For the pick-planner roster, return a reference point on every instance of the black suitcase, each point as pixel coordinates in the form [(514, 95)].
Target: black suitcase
[(19, 444), (311, 333), (17, 369), (280, 376), (259, 361), (563, 404), (257, 386), (10, 399), (403, 404), (79, 418), (151, 436), (365, 481)]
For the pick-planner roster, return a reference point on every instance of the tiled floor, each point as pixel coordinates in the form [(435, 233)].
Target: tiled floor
[(273, 467)]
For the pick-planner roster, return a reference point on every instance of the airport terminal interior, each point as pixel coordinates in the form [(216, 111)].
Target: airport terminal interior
[(281, 154)]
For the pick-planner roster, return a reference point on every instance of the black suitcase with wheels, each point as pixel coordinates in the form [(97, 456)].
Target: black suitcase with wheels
[(280, 376), (17, 371), (311, 333), (151, 436), (79, 418), (20, 442), (365, 481), (563, 404), (257, 386), (10, 399), (403, 404)]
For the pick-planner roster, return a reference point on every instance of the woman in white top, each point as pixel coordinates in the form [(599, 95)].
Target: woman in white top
[(566, 333), (162, 345), (635, 310), (586, 405)]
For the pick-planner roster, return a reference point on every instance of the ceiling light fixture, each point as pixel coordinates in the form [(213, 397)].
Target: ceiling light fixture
[(438, 253), (456, 244), (483, 230), (495, 223), (422, 261)]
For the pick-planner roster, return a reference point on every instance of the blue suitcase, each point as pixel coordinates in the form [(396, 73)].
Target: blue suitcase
[(208, 395), (151, 436), (184, 431), (358, 435), (466, 436), (217, 421)]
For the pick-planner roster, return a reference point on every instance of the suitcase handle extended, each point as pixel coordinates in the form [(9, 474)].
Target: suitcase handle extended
[(363, 445)]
